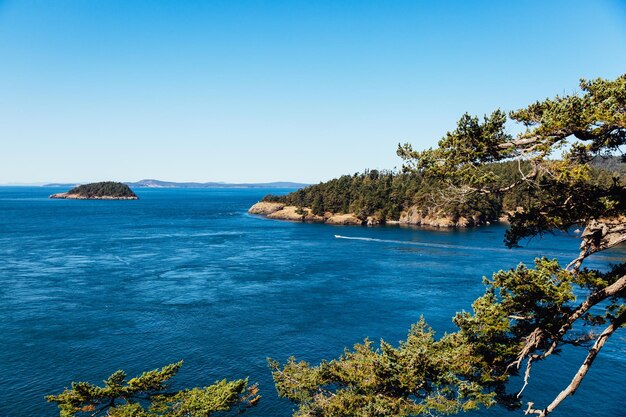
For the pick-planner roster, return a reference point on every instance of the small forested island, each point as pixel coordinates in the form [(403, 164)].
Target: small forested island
[(107, 190)]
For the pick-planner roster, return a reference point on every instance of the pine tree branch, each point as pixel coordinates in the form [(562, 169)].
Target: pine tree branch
[(584, 368)]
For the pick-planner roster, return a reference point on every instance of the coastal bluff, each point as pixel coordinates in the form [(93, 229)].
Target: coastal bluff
[(107, 190), (412, 216)]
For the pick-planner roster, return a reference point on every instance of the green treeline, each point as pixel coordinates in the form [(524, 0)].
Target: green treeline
[(103, 189), (385, 194), (380, 193)]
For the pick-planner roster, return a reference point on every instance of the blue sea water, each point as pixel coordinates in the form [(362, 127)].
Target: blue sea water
[(89, 287)]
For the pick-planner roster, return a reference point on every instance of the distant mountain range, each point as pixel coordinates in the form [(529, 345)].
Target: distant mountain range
[(149, 183)]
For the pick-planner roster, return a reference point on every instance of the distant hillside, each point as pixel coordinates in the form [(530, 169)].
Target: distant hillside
[(612, 164), (150, 183), (61, 185)]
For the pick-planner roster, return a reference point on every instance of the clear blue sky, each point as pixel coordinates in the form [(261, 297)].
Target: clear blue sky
[(285, 90)]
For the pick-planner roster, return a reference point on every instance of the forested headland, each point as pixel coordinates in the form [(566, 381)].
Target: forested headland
[(382, 196)]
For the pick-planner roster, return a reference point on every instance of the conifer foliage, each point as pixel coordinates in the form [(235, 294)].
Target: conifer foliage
[(147, 395)]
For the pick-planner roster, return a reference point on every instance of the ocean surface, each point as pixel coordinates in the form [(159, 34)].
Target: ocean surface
[(89, 287)]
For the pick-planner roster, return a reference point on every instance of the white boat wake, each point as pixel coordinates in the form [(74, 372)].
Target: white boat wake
[(536, 252), (409, 242)]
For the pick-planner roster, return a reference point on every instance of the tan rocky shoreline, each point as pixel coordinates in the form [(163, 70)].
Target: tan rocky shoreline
[(413, 216), (67, 196)]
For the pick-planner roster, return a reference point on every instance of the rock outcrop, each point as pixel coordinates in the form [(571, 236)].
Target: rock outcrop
[(344, 219), (415, 216), (265, 208), (294, 214), (280, 211)]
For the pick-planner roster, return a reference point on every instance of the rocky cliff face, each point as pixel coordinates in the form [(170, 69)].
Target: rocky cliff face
[(280, 211), (413, 216), (264, 208)]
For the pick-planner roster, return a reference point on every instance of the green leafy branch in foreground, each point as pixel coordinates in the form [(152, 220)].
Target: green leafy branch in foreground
[(146, 396), (421, 376)]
